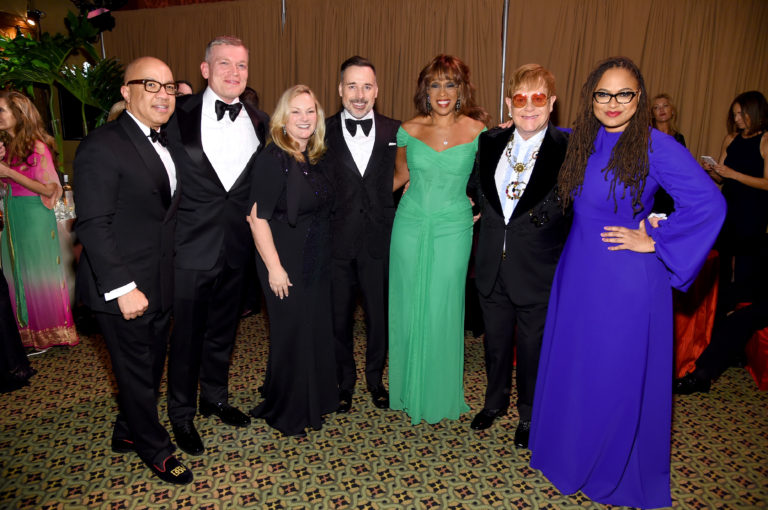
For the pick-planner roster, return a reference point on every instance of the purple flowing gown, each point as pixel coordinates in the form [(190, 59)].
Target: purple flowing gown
[(603, 403)]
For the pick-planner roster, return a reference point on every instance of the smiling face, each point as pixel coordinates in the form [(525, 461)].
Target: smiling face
[(152, 109), (358, 90), (443, 93), (613, 115), (7, 119), (302, 119), (226, 70), (530, 119)]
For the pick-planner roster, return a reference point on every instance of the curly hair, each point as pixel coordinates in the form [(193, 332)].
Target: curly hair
[(29, 128), (316, 146), (449, 68), (754, 110), (628, 164)]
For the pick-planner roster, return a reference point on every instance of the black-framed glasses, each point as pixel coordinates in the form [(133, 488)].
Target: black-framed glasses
[(623, 97), (154, 86)]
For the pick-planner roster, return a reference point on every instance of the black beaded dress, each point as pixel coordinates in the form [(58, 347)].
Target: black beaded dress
[(300, 384)]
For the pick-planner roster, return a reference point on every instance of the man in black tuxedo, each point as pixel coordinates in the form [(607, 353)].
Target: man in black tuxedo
[(214, 138), (522, 233), (126, 201), (361, 161)]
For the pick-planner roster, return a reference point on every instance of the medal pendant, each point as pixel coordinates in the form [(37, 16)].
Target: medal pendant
[(519, 167)]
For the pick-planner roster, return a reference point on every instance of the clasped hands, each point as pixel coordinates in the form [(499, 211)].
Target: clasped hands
[(633, 239)]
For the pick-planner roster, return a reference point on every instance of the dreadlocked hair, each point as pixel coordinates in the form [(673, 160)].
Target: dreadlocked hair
[(628, 164)]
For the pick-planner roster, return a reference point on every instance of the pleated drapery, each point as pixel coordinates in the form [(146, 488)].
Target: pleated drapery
[(702, 52)]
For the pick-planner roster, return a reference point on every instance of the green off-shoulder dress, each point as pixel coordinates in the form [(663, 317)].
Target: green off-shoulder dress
[(429, 253)]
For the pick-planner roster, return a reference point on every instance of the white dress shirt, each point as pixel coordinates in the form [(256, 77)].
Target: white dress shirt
[(170, 169), (360, 145), (228, 144), (525, 152)]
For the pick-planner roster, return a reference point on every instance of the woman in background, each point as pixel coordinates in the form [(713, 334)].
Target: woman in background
[(30, 247), (664, 118), (431, 241), (743, 172), (603, 403), (290, 223)]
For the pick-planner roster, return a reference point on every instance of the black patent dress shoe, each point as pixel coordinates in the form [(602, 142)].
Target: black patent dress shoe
[(122, 445), (690, 383), (172, 471), (380, 397), (226, 413), (345, 401), (522, 433), (485, 418), (187, 437)]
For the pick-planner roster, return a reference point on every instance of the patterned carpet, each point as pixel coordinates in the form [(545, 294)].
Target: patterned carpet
[(54, 449)]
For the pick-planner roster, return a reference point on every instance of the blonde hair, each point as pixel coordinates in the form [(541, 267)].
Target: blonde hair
[(672, 119), (531, 75), (316, 145)]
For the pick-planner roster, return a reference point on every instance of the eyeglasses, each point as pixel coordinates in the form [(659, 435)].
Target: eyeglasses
[(538, 99), (154, 86), (622, 97)]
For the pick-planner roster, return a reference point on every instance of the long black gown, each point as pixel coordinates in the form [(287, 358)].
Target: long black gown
[(300, 384)]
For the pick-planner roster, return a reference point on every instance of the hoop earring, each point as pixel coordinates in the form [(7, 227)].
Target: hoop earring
[(458, 104), (429, 105)]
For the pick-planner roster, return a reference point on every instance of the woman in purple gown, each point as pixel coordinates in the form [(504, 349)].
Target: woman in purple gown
[(602, 410)]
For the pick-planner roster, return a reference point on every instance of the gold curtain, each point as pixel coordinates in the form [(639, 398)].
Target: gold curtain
[(702, 52)]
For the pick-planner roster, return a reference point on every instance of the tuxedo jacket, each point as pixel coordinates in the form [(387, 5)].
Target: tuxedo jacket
[(210, 218), (537, 229), (364, 206), (125, 217)]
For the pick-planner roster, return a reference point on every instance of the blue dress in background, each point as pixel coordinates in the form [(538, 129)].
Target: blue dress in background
[(602, 411)]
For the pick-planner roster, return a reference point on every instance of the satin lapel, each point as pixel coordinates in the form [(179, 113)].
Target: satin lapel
[(544, 175), (379, 145), (336, 137), (153, 165), (189, 118), (258, 126), (491, 151)]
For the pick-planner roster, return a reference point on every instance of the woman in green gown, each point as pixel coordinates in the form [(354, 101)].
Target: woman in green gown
[(431, 241)]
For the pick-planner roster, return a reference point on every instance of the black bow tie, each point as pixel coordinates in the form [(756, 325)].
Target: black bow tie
[(233, 109), (158, 136), (352, 124)]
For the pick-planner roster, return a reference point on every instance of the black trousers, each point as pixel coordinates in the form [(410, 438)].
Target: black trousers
[(137, 349), (206, 314), (502, 317), (369, 277)]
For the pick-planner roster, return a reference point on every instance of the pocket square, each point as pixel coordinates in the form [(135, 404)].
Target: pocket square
[(392, 143)]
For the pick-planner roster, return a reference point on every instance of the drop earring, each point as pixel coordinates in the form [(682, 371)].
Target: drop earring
[(429, 105), (458, 105)]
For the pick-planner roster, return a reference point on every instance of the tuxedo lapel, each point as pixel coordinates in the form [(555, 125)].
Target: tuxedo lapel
[(153, 165), (544, 175), (343, 154), (491, 152), (258, 126), (189, 118), (379, 146)]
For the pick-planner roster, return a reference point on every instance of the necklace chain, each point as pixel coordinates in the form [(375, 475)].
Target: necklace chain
[(516, 187)]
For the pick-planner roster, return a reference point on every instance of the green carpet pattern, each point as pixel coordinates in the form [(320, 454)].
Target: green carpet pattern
[(55, 448)]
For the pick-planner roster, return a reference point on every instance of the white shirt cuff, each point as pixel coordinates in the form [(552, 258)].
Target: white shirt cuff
[(120, 291)]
